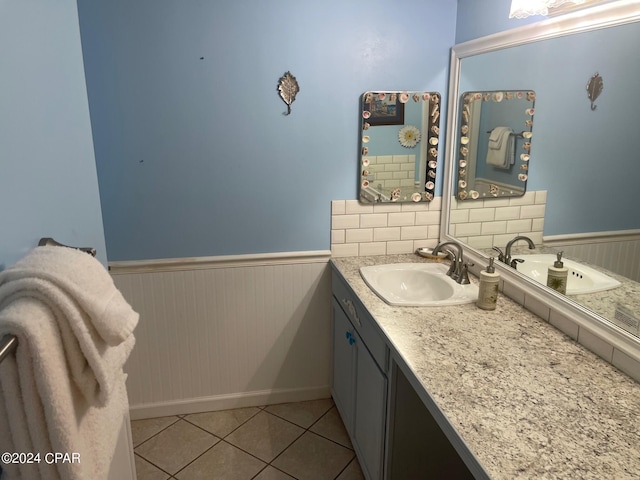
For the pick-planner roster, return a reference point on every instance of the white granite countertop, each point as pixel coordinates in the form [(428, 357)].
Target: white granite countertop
[(527, 400)]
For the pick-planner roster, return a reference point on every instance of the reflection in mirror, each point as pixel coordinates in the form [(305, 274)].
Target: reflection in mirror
[(495, 130), (582, 192), (399, 145)]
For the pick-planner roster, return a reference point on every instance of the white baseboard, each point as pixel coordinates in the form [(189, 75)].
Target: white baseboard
[(226, 402)]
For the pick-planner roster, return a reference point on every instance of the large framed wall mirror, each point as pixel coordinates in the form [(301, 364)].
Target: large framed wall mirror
[(581, 175), (399, 145)]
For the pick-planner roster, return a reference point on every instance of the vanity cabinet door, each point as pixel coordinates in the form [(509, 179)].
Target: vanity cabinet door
[(344, 361), (370, 413), (359, 389)]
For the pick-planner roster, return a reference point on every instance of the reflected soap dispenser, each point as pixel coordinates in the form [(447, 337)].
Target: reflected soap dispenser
[(489, 287), (557, 275)]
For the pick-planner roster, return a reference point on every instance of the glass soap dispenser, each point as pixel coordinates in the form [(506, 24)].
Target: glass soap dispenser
[(489, 287), (557, 275)]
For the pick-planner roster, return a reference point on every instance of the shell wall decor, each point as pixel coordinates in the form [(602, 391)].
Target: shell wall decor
[(594, 89), (288, 88)]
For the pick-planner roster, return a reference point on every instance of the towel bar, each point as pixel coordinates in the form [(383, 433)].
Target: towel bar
[(9, 343)]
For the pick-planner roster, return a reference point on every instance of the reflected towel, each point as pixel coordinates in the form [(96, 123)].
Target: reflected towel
[(501, 148)]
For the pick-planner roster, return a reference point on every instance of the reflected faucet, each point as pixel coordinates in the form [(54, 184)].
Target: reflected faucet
[(458, 270), (506, 256)]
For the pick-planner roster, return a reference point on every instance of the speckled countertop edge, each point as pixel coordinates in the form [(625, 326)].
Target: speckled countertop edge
[(527, 400)]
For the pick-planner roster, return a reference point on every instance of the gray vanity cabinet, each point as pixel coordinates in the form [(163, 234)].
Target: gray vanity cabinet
[(359, 383)]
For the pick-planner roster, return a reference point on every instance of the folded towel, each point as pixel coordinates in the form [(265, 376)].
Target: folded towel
[(64, 389), (42, 412), (94, 362), (501, 148), (82, 277)]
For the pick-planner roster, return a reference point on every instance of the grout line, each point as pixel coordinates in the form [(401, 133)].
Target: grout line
[(157, 433)]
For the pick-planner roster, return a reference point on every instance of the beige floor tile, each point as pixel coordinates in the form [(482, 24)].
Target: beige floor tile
[(271, 473), (352, 472), (176, 446), (142, 430), (301, 413), (313, 457), (223, 461), (146, 471), (330, 426), (224, 422), (265, 436)]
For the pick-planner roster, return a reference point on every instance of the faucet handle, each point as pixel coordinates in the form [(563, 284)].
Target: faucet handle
[(501, 257), (463, 279), (514, 263)]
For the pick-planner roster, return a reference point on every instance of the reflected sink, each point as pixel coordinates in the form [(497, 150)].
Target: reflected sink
[(581, 278), (417, 285)]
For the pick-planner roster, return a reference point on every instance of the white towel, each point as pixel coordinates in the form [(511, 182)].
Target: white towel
[(501, 148), (64, 390)]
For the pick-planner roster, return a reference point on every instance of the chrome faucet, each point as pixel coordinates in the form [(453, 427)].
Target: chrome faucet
[(506, 256), (458, 270)]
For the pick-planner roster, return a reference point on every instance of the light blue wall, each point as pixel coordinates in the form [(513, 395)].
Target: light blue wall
[(478, 18), (193, 153), (48, 183)]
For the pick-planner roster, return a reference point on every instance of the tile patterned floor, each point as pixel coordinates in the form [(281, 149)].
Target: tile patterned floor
[(301, 441)]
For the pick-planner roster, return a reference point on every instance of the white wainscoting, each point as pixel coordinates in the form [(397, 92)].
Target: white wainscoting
[(617, 251), (227, 332)]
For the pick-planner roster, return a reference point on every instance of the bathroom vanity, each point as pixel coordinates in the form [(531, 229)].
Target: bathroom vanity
[(459, 392)]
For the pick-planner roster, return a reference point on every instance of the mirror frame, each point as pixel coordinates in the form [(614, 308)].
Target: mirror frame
[(607, 15)]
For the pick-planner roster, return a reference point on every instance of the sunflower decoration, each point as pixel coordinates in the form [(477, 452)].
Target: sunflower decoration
[(409, 136)]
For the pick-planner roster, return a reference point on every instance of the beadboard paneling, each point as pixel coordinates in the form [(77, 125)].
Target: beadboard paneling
[(227, 336)]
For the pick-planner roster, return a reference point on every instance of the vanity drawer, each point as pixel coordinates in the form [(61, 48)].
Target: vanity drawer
[(361, 320)]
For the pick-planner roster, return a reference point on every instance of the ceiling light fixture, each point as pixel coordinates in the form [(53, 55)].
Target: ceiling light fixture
[(526, 8)]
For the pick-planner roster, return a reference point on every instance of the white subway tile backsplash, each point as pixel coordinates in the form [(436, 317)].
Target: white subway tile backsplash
[(338, 207), (564, 324), (541, 197), (360, 229), (532, 211), (355, 207), (337, 236), (359, 235), (528, 198), (467, 229), (459, 216), (396, 248), (519, 226), (627, 364), (387, 207), (344, 250), (386, 234), (490, 228), (373, 220), (373, 248), (481, 241), (401, 219), (428, 218), (345, 221), (507, 213), (536, 306), (596, 344), (414, 232), (482, 215)]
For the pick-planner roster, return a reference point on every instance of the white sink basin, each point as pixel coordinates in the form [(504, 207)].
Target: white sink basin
[(417, 285), (581, 278)]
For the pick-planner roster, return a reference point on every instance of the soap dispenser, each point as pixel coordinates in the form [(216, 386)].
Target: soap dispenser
[(557, 275), (489, 287)]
